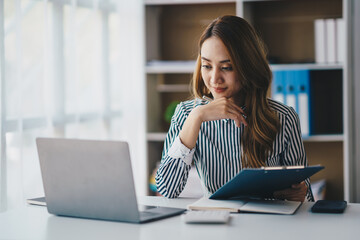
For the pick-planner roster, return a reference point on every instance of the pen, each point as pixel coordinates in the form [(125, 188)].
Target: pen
[(207, 98), (210, 100)]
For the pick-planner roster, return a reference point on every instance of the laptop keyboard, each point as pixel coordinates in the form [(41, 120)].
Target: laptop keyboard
[(159, 212), (147, 214)]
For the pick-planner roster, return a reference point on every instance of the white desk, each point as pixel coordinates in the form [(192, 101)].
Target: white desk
[(34, 222)]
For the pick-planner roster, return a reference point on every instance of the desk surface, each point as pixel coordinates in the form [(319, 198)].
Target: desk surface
[(34, 222)]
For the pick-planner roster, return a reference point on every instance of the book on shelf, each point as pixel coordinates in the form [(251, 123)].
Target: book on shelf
[(330, 40), (320, 41), (340, 40)]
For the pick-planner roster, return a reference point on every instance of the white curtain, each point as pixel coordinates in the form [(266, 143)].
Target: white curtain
[(68, 68)]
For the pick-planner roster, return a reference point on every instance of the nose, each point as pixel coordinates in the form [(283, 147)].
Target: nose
[(216, 76)]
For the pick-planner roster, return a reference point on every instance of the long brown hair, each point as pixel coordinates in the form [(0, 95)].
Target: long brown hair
[(248, 57)]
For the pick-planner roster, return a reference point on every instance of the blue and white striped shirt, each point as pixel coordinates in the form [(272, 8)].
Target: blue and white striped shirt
[(217, 155)]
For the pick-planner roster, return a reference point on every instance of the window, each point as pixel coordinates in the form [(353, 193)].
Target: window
[(69, 68)]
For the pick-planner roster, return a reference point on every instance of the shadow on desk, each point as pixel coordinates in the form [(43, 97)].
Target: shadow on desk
[(59, 227), (68, 228)]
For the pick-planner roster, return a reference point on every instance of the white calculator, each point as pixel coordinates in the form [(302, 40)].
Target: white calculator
[(206, 216)]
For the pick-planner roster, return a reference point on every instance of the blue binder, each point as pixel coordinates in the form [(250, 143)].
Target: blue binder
[(290, 89), (278, 86), (262, 182), (303, 100)]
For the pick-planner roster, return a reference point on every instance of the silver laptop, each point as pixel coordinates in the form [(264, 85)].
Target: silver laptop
[(92, 179)]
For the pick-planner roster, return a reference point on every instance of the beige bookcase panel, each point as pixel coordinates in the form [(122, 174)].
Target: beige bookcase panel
[(329, 155), (287, 27), (178, 28)]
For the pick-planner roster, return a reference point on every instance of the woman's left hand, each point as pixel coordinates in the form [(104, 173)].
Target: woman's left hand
[(297, 192)]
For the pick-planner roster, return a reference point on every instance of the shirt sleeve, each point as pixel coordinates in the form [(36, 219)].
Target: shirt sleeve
[(175, 164), (295, 152)]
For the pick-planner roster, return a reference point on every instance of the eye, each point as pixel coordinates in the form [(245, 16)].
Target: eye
[(206, 66), (227, 68)]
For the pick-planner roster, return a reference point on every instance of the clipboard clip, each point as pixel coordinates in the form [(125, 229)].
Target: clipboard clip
[(283, 167)]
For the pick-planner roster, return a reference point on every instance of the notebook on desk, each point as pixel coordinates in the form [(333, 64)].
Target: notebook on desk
[(92, 179), (247, 205)]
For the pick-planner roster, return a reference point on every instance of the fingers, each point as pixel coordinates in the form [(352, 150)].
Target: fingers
[(237, 108), (296, 193), (224, 108), (235, 112), (291, 196), (299, 185), (238, 118), (279, 195)]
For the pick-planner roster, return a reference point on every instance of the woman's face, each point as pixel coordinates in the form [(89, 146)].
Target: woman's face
[(217, 70)]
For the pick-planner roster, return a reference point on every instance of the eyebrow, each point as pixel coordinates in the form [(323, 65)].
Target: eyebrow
[(223, 61)]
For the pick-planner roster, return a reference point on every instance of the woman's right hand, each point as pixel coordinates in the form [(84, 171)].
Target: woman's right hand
[(222, 108)]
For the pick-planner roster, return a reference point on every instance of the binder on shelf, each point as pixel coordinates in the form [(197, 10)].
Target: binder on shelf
[(330, 38), (290, 89), (278, 86), (320, 41), (326, 100), (340, 40), (303, 100)]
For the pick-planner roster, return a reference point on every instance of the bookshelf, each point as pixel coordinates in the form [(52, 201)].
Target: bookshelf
[(173, 28)]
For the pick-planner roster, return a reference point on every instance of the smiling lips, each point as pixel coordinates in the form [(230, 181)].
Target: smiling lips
[(219, 90)]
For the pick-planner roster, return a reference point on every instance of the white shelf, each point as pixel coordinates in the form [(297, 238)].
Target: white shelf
[(173, 2), (156, 66), (170, 66), (173, 88), (310, 66), (156, 136), (160, 136), (324, 138), (257, 0)]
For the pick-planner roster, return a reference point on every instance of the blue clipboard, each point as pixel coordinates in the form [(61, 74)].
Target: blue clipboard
[(262, 182)]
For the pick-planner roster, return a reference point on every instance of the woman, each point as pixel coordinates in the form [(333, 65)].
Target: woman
[(230, 124)]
